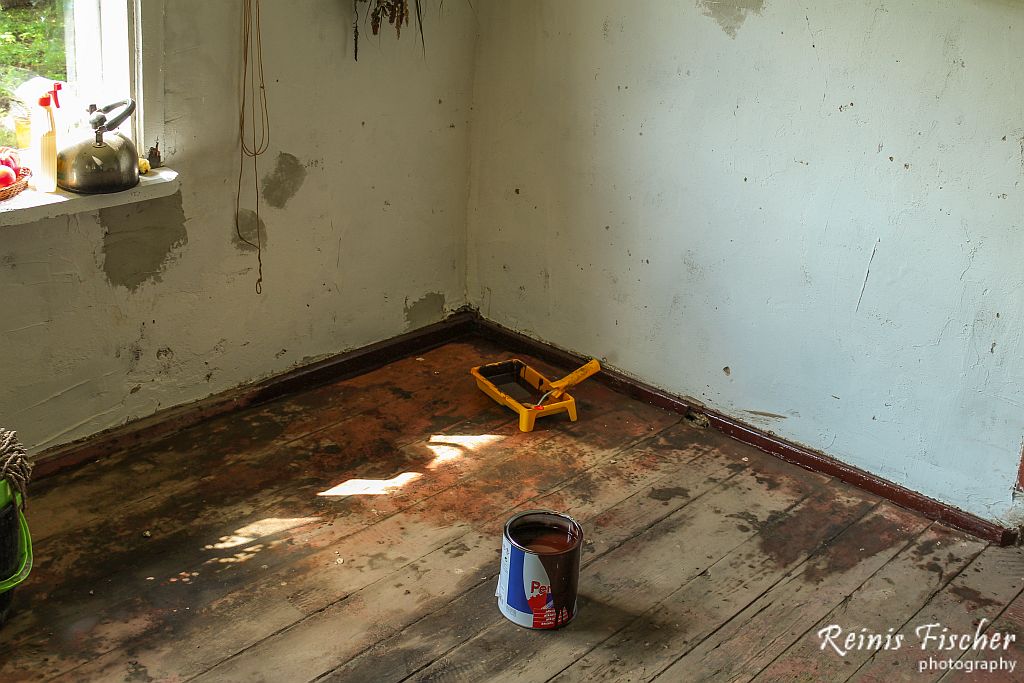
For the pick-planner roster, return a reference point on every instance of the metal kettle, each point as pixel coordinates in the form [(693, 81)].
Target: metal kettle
[(104, 162)]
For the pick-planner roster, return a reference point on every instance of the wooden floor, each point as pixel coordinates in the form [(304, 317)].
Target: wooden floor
[(213, 555)]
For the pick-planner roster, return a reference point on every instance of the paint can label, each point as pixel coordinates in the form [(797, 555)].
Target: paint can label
[(538, 589)]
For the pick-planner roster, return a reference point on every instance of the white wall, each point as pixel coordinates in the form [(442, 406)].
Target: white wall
[(111, 316), (824, 198)]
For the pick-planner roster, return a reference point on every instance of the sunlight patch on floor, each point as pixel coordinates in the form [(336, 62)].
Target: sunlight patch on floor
[(371, 487), (450, 447), (264, 527)]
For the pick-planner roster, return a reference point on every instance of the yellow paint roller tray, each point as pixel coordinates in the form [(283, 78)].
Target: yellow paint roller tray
[(530, 394)]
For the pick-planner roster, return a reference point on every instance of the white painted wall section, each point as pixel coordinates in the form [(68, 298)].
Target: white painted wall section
[(805, 215)]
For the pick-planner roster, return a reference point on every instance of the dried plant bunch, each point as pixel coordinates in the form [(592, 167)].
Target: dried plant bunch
[(395, 11)]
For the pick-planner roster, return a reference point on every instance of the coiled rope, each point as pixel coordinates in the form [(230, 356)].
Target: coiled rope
[(15, 467)]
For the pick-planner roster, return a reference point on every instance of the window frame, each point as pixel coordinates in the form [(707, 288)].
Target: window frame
[(146, 49), (142, 75), (124, 39)]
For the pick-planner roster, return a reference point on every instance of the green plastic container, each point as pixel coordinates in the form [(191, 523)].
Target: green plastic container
[(16, 538)]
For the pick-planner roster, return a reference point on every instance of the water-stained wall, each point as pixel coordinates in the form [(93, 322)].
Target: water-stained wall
[(809, 216), (112, 315)]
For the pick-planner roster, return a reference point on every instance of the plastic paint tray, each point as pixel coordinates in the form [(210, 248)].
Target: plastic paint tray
[(515, 384)]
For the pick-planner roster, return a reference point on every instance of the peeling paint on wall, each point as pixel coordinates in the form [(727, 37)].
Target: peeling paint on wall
[(284, 181), (730, 14), (140, 239), (426, 310), (247, 222)]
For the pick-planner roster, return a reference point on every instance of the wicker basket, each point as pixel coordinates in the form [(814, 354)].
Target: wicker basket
[(20, 184)]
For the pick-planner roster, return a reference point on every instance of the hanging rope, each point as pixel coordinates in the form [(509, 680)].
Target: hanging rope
[(14, 464), (254, 97)]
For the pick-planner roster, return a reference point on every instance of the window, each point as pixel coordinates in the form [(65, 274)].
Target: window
[(103, 49), (110, 49), (32, 44)]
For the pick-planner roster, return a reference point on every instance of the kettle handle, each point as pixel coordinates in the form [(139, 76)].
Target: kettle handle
[(129, 108)]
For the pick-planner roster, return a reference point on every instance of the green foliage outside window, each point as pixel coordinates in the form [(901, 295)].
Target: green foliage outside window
[(31, 44)]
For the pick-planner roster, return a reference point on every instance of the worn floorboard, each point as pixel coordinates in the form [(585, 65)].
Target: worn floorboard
[(351, 533), (978, 595), (887, 600), (656, 638)]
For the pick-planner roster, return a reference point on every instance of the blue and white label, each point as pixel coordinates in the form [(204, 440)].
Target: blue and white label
[(524, 589)]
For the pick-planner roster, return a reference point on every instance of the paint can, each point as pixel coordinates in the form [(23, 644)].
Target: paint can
[(540, 569)]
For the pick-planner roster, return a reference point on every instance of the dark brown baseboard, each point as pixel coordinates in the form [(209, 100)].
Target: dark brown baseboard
[(790, 452), (169, 420), (462, 324)]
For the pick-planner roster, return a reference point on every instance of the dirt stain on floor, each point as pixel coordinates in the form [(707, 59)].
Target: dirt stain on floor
[(973, 597), (668, 493), (868, 537), (820, 518)]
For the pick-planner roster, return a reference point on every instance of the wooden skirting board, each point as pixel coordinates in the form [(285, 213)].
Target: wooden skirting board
[(325, 371), (469, 322)]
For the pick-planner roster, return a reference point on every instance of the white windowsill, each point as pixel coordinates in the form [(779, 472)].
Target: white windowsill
[(31, 206)]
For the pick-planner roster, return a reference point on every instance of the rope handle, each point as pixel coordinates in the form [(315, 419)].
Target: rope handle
[(24, 549)]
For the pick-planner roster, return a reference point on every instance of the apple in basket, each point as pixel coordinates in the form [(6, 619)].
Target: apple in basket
[(9, 158)]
